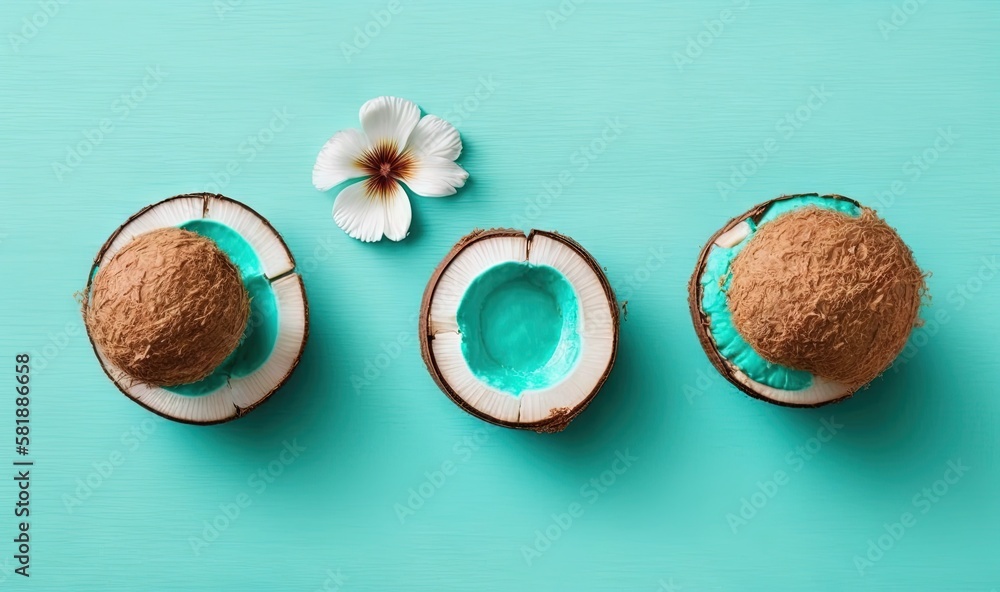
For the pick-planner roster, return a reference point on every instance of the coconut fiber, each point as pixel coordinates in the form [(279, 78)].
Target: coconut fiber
[(821, 291), (168, 308)]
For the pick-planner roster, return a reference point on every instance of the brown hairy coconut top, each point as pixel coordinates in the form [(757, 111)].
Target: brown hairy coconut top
[(168, 308), (821, 291)]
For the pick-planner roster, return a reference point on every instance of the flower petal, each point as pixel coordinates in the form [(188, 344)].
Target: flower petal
[(362, 216), (389, 120), (434, 136), (434, 176), (338, 159), (397, 213)]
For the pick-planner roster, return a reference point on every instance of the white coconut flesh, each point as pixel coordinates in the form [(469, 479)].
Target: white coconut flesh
[(818, 390), (522, 329), (278, 324)]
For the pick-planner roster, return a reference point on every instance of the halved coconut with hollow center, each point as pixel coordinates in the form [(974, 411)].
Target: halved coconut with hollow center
[(519, 330), (804, 299), (194, 309)]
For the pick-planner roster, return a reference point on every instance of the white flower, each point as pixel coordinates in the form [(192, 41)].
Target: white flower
[(397, 145)]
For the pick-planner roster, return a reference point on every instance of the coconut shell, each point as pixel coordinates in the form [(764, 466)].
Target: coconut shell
[(125, 386), (168, 308), (702, 322), (558, 418)]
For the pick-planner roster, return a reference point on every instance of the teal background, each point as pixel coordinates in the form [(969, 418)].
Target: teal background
[(643, 206)]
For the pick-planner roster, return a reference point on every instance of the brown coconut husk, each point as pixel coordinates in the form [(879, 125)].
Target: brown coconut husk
[(831, 294), (559, 417), (168, 308)]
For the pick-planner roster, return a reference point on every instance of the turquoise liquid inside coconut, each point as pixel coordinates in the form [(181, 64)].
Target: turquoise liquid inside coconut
[(261, 332), (519, 326), (715, 284)]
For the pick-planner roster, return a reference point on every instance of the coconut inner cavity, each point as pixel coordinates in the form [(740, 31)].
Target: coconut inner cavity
[(261, 333), (519, 326)]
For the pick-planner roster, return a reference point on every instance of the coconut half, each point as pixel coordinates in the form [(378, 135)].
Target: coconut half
[(278, 324), (519, 330), (804, 299)]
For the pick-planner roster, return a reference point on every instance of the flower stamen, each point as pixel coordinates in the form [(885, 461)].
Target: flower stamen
[(385, 164)]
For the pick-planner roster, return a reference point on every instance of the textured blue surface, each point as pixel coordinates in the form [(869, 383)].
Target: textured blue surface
[(637, 128)]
